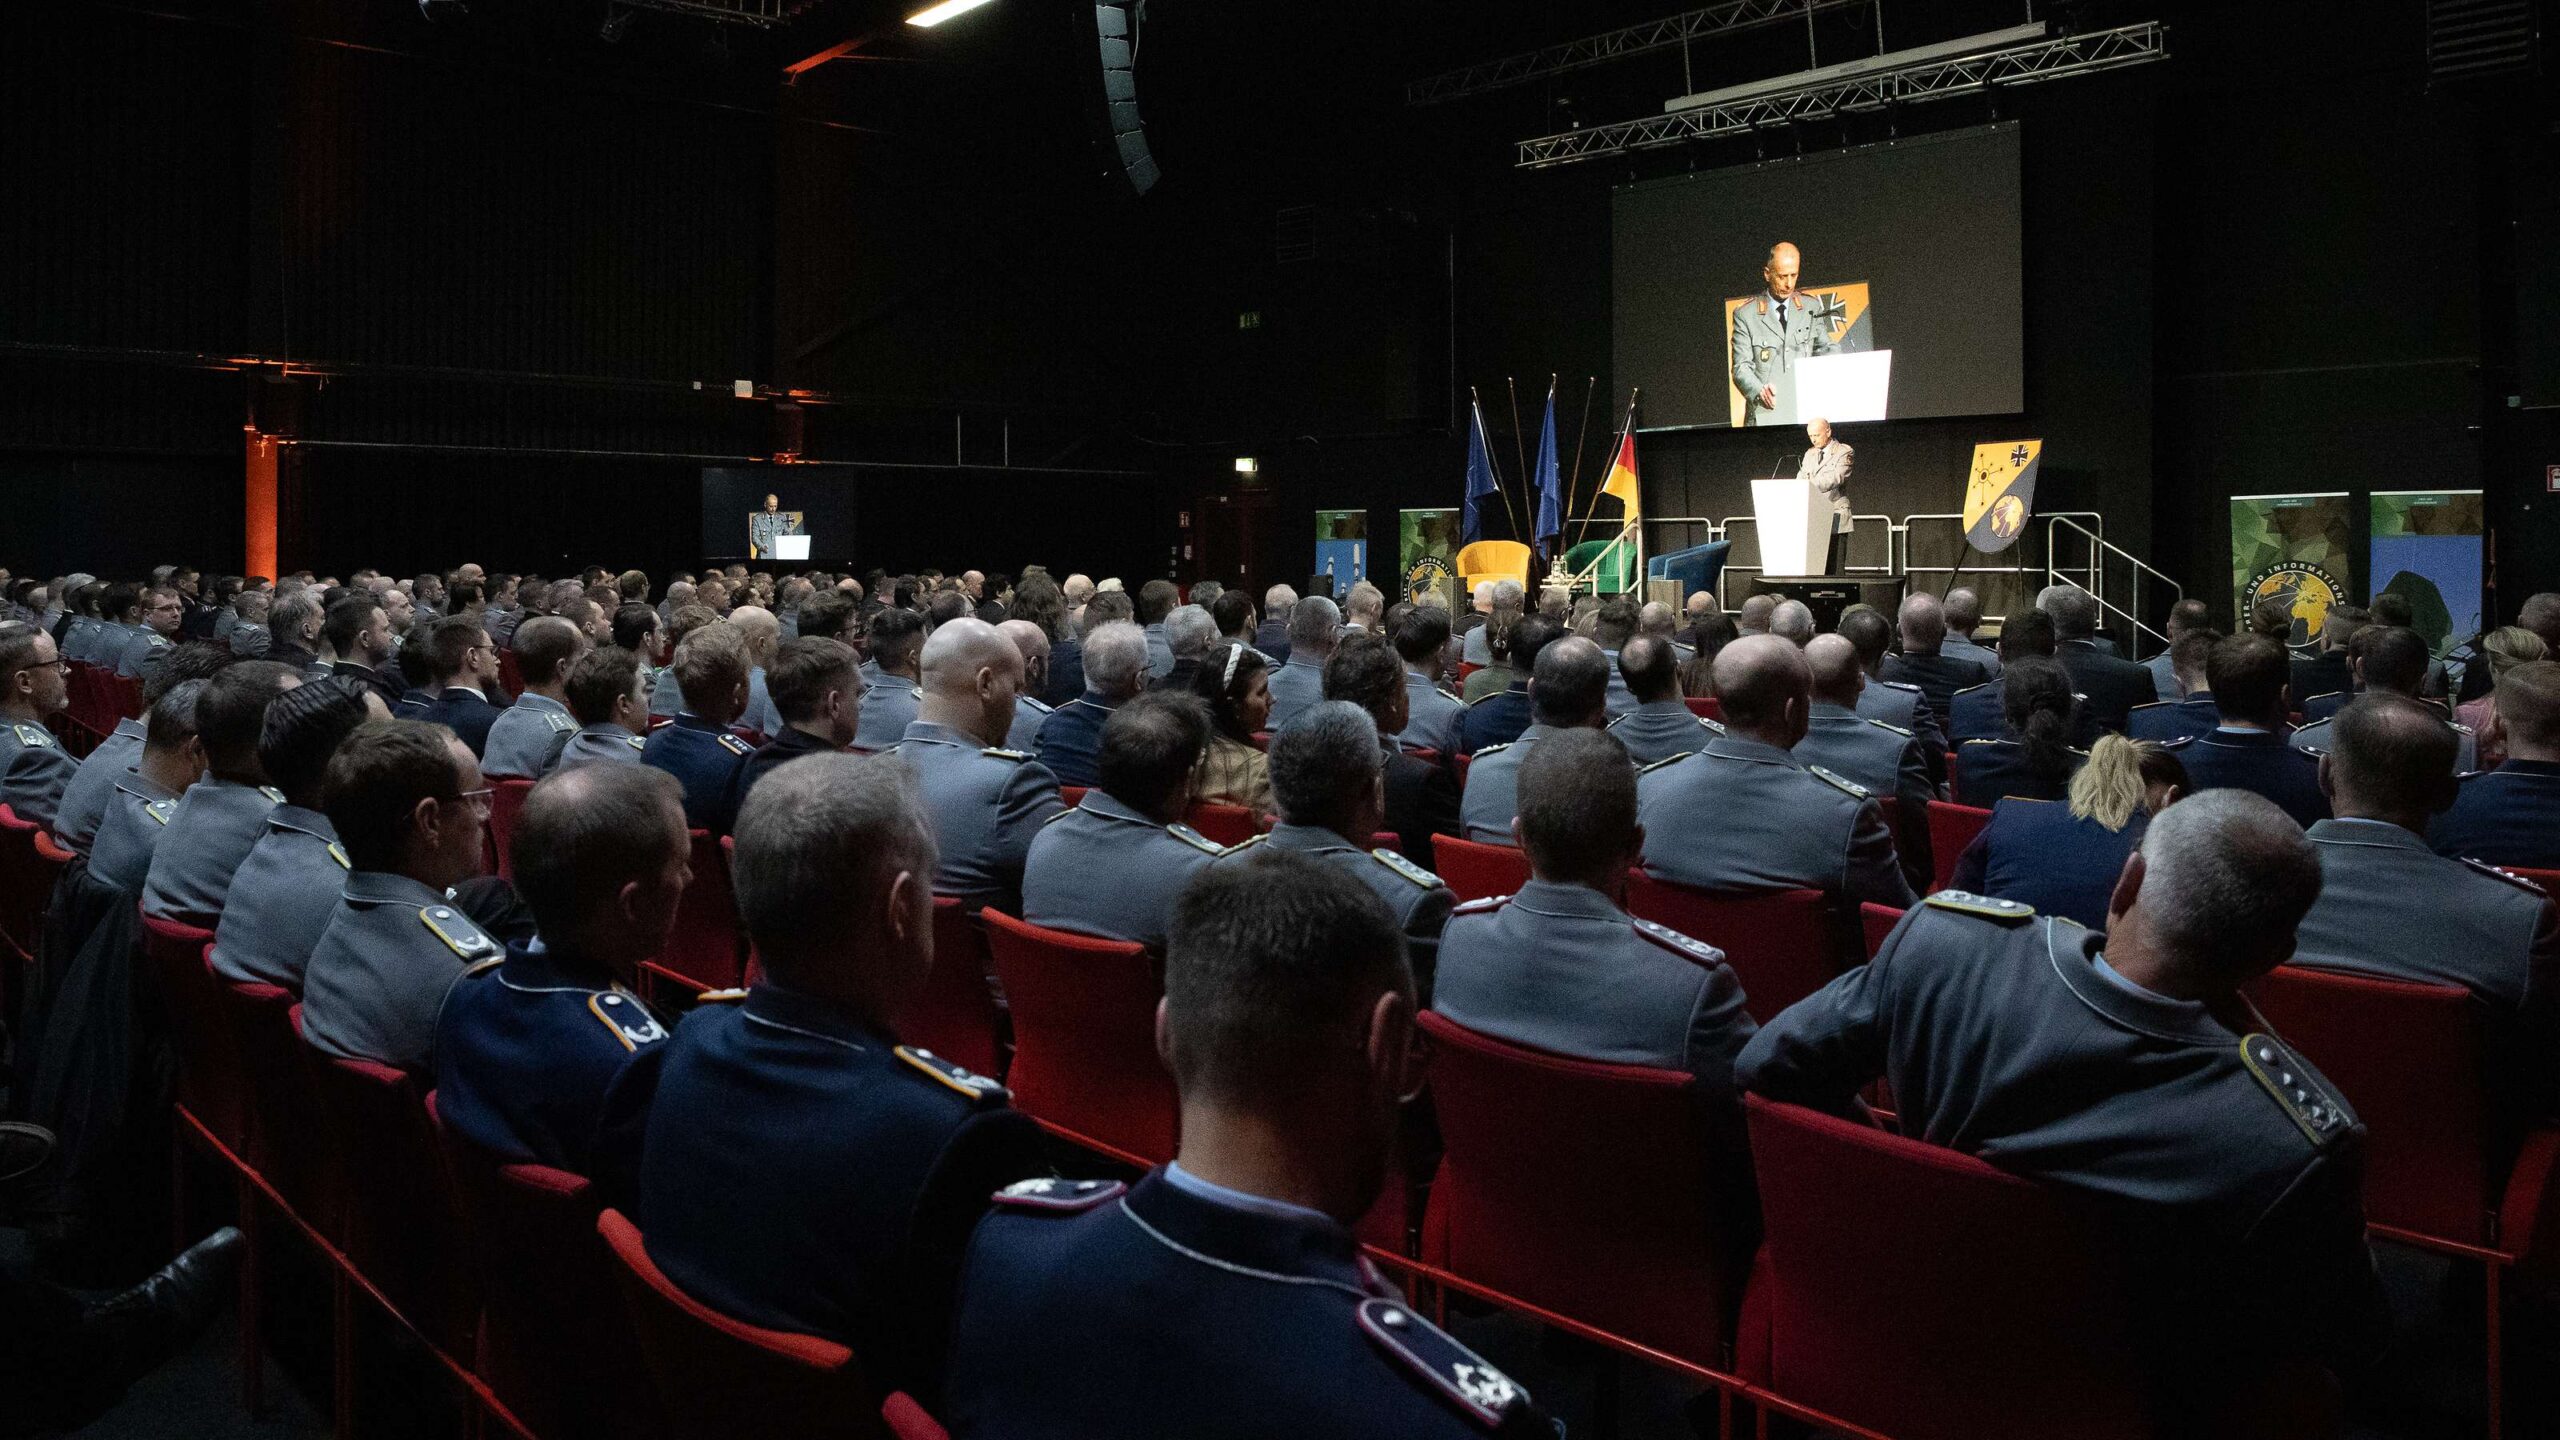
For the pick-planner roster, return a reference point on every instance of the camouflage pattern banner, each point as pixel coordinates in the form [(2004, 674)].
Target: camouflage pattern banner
[(2426, 547), (1427, 552), (2291, 548)]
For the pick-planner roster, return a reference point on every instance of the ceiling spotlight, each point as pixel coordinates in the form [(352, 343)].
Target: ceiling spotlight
[(933, 15)]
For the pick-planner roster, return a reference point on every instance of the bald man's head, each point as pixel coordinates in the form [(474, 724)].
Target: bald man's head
[(1792, 620), (970, 676), (1764, 686), (1924, 625), (1028, 638), (1651, 668), (1782, 269), (1963, 610), (1837, 675), (1569, 684), (1753, 617)]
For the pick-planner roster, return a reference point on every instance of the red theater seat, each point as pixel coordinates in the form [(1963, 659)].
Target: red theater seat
[(1475, 870), (1084, 1034), (1779, 944), (210, 1095), (1072, 795), (29, 864), (1705, 707), (1581, 1191), (1951, 828), (506, 805), (706, 949), (723, 1379), (956, 1016), (1876, 922), (1225, 824), (907, 1420)]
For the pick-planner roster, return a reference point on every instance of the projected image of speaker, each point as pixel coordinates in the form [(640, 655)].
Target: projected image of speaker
[(1123, 135)]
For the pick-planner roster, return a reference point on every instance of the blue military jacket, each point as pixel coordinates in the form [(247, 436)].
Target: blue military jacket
[(2506, 816), (1496, 719), (84, 800), (708, 762), (467, 713), (1103, 869), (2234, 1168), (888, 708), (2166, 720), (2261, 761), (1168, 1313), (1070, 740), (281, 900), (2038, 853), (1975, 714), (526, 1049), (800, 1170), (987, 805), (217, 823), (1989, 771)]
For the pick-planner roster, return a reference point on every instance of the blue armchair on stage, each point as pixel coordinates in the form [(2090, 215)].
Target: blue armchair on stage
[(1697, 568)]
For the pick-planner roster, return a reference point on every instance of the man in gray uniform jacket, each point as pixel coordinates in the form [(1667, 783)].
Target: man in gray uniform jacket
[(2391, 907), (987, 803), (2137, 1077), (146, 796), (1327, 780), (219, 819), (1884, 759), (527, 738), (1114, 865), (1771, 332), (34, 683), (411, 811), (1568, 691), (1742, 815), (287, 889), (608, 695), (1662, 726)]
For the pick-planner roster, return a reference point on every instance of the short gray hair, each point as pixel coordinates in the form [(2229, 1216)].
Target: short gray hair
[(2225, 865), (816, 846), (1323, 763), (1509, 595), (1188, 629), (1792, 620), (1115, 657), (1315, 624), (287, 617), (2074, 610)]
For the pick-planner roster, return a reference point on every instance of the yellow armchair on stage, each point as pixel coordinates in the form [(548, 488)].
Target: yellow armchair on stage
[(1492, 560)]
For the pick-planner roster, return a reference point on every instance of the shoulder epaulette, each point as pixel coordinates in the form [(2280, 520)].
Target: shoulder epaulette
[(1043, 706), (33, 736), (1489, 694), (1899, 685), (274, 795), (1495, 749), (1483, 905), (720, 997), (1248, 843), (1405, 868), (1979, 740), (1969, 689), (558, 721), (968, 1082), (1889, 725), (1001, 753), (2458, 728), (1063, 812), (2296, 1088), (2153, 705), (2509, 876), (1047, 1195), (482, 967), (458, 934), (1839, 782), (160, 810), (1665, 760), (1987, 907), (1616, 720), (734, 745), (635, 742), (2180, 743), (338, 853), (2323, 695), (1194, 838), (915, 692), (1439, 1363), (629, 1020), (1678, 944)]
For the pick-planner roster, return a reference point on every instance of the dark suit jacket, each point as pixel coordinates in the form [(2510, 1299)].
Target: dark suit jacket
[(2321, 674), (466, 714), (2113, 686), (1421, 798), (1273, 640), (1939, 676), (385, 683)]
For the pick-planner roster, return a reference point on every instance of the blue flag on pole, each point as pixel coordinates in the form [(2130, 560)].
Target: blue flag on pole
[(1480, 482), (1550, 495)]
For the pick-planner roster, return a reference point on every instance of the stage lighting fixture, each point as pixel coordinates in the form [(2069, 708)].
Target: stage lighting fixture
[(933, 15), (1248, 465)]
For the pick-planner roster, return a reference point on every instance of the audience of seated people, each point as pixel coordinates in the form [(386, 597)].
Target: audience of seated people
[(793, 1165)]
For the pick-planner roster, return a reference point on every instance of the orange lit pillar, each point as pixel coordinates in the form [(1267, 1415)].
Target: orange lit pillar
[(265, 455)]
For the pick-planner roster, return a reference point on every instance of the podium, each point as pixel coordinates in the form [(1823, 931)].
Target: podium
[(1795, 527), (790, 547)]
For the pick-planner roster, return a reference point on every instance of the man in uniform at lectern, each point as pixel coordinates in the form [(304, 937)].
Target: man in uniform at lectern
[(1771, 332), (1825, 467), (766, 524)]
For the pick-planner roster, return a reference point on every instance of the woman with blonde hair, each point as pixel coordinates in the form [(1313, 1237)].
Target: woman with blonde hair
[(2062, 857), (2507, 647)]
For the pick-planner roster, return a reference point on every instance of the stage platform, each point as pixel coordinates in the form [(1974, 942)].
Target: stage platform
[(1828, 595)]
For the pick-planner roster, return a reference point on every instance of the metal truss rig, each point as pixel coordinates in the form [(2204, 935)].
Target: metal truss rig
[(2056, 59), (1616, 45), (765, 13)]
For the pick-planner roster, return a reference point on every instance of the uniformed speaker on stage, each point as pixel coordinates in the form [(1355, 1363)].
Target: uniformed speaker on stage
[(764, 525), (1771, 332), (1825, 467)]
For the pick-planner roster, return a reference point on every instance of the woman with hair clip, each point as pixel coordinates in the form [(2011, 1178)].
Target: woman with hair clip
[(1235, 680), (2036, 759), (2063, 859)]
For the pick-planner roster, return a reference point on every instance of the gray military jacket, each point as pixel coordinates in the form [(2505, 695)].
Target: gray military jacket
[(142, 654), (392, 948), (1492, 798), (136, 819), (1028, 716), (602, 742), (1884, 759), (1562, 969), (1744, 816), (281, 900), (1295, 686), (84, 800), (987, 806), (1420, 902), (1103, 869), (2313, 739), (1660, 729), (888, 708), (1432, 716), (34, 771), (527, 738), (218, 822), (1769, 336)]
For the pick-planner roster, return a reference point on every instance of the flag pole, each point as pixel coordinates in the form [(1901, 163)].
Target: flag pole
[(1520, 447), (1624, 425), (1581, 438), (1475, 413)]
